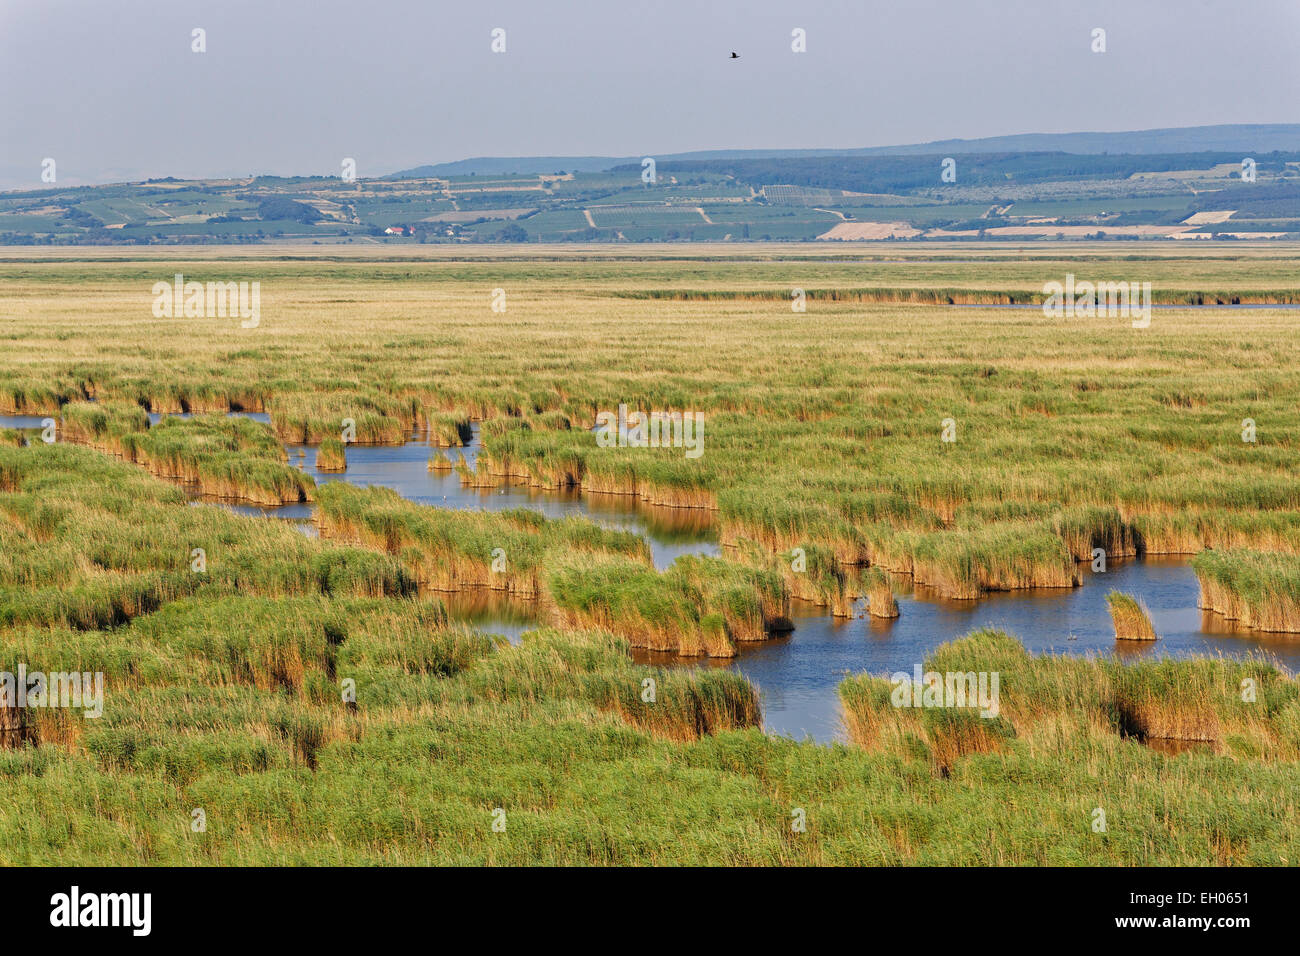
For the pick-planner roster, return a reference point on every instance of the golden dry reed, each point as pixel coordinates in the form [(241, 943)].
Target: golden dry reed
[(1130, 617)]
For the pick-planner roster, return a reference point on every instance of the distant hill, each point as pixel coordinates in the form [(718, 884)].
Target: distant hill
[(1243, 138), (1173, 184), (547, 165), (505, 165)]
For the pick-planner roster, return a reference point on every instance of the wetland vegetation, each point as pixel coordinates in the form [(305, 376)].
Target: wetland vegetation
[(226, 640)]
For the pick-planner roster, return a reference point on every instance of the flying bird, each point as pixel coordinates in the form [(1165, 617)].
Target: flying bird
[(735, 55)]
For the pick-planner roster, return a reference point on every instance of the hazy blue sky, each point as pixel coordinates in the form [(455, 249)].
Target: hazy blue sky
[(111, 90)]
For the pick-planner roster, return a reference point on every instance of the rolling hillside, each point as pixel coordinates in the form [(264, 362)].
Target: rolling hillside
[(958, 189)]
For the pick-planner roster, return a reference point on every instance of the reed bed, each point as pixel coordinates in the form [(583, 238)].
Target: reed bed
[(699, 606), (225, 687), (232, 458), (27, 395), (1099, 700), (1106, 437), (375, 418), (812, 573), (204, 399), (229, 697), (331, 456), (448, 550), (583, 575), (90, 542), (955, 296), (1259, 590), (103, 426), (880, 593), (448, 430), (1131, 618)]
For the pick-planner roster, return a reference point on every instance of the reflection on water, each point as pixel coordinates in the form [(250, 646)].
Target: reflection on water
[(298, 513), (798, 674), (492, 612), (299, 516)]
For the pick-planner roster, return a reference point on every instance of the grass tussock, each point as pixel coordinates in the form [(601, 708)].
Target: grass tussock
[(374, 418), (1130, 617), (811, 573), (880, 594), (447, 430), (698, 606), (331, 456)]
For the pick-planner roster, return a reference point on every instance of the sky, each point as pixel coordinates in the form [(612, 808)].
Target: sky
[(112, 90)]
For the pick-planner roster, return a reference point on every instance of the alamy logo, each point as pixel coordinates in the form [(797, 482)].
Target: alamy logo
[(103, 909), (75, 690), (951, 689), (214, 300), (1104, 299), (655, 430)]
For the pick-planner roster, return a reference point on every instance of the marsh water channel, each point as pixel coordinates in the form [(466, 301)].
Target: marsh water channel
[(797, 674)]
